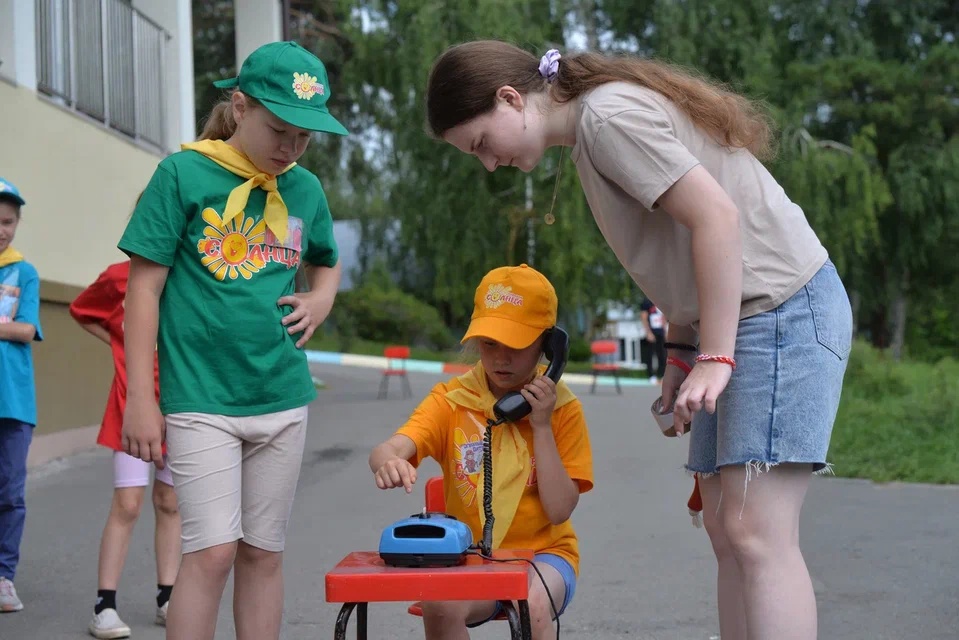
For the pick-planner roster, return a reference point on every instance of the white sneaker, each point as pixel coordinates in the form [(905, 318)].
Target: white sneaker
[(9, 602), (161, 614), (107, 625)]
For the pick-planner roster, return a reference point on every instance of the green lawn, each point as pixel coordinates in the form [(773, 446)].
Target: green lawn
[(898, 420)]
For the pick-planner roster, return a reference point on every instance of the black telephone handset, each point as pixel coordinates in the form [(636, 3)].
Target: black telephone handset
[(513, 407)]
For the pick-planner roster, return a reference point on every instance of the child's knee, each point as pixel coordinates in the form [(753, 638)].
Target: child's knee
[(542, 605), (164, 499), (217, 560), (541, 610), (261, 558), (127, 503)]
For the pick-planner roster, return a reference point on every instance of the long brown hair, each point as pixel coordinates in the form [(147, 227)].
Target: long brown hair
[(464, 80), (220, 124)]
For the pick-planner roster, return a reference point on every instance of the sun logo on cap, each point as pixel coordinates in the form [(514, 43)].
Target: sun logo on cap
[(499, 294), (305, 86)]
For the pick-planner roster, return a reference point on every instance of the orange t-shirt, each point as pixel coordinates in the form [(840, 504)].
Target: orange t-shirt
[(454, 438)]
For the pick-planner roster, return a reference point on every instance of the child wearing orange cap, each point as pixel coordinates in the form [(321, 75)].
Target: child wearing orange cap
[(543, 462)]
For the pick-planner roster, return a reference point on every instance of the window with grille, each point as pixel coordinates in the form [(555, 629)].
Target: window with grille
[(105, 59)]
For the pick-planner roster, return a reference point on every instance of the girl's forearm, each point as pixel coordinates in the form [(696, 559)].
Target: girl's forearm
[(17, 332), (718, 264), (142, 308)]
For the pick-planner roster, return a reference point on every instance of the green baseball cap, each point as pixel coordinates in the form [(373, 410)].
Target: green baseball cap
[(291, 82)]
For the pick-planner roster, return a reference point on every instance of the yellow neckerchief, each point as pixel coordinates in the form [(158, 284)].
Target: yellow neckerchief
[(511, 462), (9, 256), (275, 212)]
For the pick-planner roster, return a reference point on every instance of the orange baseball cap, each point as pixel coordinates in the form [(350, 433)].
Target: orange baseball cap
[(513, 305)]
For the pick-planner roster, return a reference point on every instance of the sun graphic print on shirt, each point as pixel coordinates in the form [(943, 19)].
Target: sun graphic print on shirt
[(233, 249), (468, 460)]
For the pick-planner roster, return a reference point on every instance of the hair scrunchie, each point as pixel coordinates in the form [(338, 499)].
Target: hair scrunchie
[(549, 65)]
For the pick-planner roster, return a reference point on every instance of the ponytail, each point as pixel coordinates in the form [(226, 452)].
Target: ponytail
[(219, 125)]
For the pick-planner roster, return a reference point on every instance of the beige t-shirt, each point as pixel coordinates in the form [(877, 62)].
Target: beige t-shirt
[(632, 144)]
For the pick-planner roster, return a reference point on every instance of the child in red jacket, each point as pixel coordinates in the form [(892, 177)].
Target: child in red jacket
[(99, 310)]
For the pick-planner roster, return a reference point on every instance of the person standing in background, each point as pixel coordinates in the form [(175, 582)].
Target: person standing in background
[(19, 328), (654, 322)]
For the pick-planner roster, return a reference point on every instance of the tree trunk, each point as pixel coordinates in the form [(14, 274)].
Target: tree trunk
[(898, 319)]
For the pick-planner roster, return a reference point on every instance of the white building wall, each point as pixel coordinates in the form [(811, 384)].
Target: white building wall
[(257, 23), (79, 177), (176, 17)]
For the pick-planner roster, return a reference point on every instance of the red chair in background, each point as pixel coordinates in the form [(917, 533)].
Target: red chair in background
[(396, 357), (604, 361)]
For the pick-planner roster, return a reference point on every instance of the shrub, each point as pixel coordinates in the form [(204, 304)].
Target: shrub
[(579, 350), (389, 315)]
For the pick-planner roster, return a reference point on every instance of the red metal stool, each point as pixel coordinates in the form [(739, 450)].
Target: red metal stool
[(396, 357), (362, 577), (604, 355)]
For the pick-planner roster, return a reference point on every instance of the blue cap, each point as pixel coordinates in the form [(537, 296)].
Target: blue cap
[(7, 189)]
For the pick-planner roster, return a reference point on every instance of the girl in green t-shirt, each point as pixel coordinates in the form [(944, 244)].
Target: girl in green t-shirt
[(215, 243)]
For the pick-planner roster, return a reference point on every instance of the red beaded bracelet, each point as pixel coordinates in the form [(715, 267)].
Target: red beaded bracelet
[(676, 362), (705, 357)]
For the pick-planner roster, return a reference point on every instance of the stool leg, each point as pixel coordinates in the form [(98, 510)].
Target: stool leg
[(407, 387), (592, 389), (343, 620), (384, 387), (361, 621), (527, 626), (618, 390)]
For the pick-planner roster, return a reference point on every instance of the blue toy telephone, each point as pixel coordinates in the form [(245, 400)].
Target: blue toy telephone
[(425, 540), (440, 540)]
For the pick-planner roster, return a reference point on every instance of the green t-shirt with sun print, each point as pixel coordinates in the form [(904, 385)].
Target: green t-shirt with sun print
[(221, 345)]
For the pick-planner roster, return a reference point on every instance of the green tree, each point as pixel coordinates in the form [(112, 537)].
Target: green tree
[(442, 217)]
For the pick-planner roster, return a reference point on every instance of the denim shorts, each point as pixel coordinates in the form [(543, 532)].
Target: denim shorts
[(569, 578), (782, 399)]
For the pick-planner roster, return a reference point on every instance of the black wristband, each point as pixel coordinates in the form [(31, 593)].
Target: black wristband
[(681, 347)]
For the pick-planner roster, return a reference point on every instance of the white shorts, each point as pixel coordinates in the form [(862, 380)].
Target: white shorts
[(133, 472), (235, 477)]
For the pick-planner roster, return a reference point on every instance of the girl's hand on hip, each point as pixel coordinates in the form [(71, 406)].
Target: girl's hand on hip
[(700, 391), (310, 310)]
